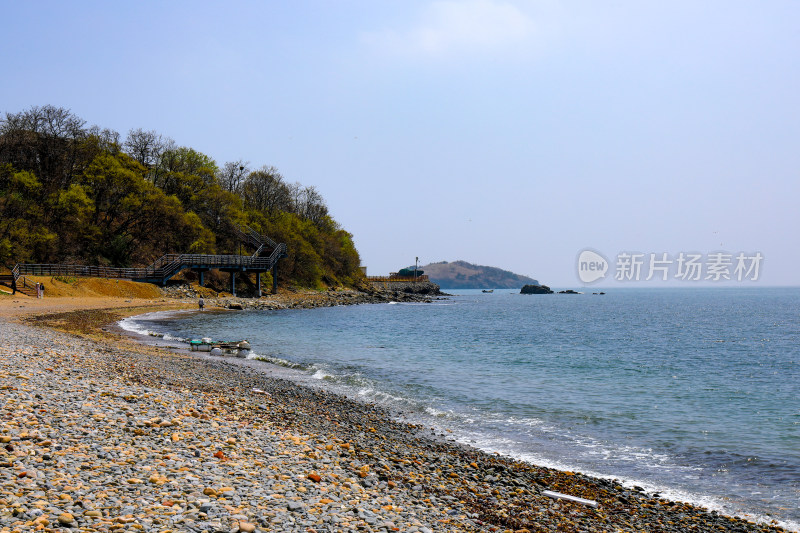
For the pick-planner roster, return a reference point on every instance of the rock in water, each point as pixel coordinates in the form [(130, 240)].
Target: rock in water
[(536, 289)]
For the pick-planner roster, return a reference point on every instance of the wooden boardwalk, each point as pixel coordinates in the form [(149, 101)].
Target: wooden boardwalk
[(167, 266)]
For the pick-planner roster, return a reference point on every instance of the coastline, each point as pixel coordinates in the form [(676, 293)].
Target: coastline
[(361, 456)]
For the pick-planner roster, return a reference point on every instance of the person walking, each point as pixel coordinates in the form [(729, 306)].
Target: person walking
[(13, 285), (201, 303)]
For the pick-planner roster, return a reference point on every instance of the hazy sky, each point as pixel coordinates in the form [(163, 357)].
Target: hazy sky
[(505, 133)]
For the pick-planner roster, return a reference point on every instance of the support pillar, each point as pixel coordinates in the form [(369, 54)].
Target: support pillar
[(233, 283), (201, 277), (258, 283), (275, 278)]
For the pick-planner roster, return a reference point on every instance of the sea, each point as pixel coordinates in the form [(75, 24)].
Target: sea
[(689, 393)]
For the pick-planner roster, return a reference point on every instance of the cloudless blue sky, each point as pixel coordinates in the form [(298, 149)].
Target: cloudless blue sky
[(506, 133)]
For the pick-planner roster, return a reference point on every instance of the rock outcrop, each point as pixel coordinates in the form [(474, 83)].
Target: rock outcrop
[(536, 289)]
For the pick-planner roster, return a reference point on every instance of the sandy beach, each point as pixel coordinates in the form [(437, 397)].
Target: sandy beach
[(101, 434)]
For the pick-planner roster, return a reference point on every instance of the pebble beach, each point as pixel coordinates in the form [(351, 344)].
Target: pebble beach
[(97, 434)]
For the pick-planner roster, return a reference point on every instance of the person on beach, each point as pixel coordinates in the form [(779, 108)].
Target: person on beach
[(201, 303)]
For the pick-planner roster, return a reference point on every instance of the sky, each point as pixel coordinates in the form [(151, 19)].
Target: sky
[(510, 133)]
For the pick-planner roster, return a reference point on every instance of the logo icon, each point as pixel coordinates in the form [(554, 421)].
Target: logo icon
[(591, 266)]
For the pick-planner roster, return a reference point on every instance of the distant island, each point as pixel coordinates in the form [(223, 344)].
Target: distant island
[(463, 275)]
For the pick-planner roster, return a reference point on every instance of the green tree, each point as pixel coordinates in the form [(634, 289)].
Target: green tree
[(74, 193), (75, 211), (21, 230), (266, 190)]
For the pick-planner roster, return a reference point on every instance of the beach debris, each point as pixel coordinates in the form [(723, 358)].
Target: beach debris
[(238, 348), (561, 496)]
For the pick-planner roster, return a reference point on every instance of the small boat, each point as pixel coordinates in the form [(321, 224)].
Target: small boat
[(201, 345), (487, 290), (239, 349)]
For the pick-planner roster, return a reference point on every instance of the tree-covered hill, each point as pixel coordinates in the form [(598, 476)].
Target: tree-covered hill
[(463, 275), (78, 194)]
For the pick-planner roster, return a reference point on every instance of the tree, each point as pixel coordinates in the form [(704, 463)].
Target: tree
[(69, 193), (265, 190), (232, 174), (105, 138), (185, 172), (310, 205), (74, 210), (219, 210), (43, 140), (21, 227), (146, 147)]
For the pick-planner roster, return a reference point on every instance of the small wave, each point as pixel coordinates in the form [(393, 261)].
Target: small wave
[(436, 412), (136, 324), (132, 326), (276, 361), (379, 396), (321, 374)]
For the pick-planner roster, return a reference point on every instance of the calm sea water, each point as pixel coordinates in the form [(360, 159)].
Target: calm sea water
[(692, 393)]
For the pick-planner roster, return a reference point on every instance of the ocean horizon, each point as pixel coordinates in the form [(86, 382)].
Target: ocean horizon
[(690, 393)]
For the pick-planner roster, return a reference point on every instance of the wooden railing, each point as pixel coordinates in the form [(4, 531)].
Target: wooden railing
[(23, 269), (23, 284), (250, 236), (26, 286), (161, 270), (168, 265)]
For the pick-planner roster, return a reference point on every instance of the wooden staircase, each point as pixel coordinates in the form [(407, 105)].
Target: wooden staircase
[(24, 285)]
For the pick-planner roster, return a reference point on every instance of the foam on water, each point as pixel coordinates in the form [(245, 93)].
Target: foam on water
[(134, 325), (320, 374), (140, 324)]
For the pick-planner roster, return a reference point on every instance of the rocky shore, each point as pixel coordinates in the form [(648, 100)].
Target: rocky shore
[(304, 299), (96, 436)]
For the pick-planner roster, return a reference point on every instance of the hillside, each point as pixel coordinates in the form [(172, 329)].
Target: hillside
[(463, 275), (61, 287), (70, 193)]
